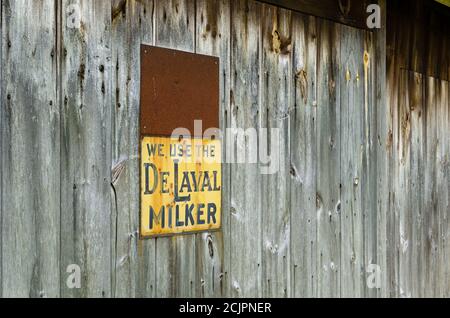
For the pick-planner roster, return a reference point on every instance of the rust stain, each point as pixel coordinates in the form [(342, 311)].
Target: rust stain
[(280, 44), (119, 9), (276, 41), (177, 88)]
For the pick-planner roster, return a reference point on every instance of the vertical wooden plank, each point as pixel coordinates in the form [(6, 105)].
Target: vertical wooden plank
[(415, 101), (370, 162), (408, 202), (353, 163), (390, 250), (442, 186), (278, 104), (303, 157), (133, 261), (430, 211), (146, 249), (394, 60), (175, 256), (86, 146), (2, 111), (393, 246), (418, 154), (403, 203), (30, 151), (328, 161), (446, 218), (245, 209), (213, 38), (383, 151)]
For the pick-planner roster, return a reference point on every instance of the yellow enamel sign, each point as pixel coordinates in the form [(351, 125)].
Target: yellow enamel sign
[(181, 181)]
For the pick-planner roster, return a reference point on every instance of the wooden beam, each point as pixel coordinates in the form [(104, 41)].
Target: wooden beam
[(349, 12), (444, 2)]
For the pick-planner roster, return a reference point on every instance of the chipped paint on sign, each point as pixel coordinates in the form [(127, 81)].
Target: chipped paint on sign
[(181, 184)]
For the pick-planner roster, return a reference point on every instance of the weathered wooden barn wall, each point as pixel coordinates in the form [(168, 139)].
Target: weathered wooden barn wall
[(345, 196), (418, 73)]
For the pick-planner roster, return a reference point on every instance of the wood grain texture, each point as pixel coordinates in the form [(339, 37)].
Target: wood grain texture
[(277, 107), (303, 163), (213, 38), (364, 171), (431, 213), (134, 260), (245, 187), (30, 151), (446, 218), (146, 249), (176, 271), (383, 151), (442, 187), (352, 162), (410, 93), (370, 164), (420, 165), (86, 148), (1, 140), (350, 12), (328, 161)]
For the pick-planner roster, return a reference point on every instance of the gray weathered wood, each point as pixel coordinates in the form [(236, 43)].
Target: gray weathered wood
[(443, 185), (328, 161), (1, 140), (446, 217), (303, 158), (382, 153), (134, 260), (431, 226), (410, 97), (30, 150), (415, 105), (277, 106), (364, 170), (176, 269), (146, 249), (213, 38), (86, 147), (370, 162), (352, 162), (245, 183)]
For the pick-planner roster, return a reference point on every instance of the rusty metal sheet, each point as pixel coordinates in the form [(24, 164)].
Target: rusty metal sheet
[(176, 89), (180, 187)]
